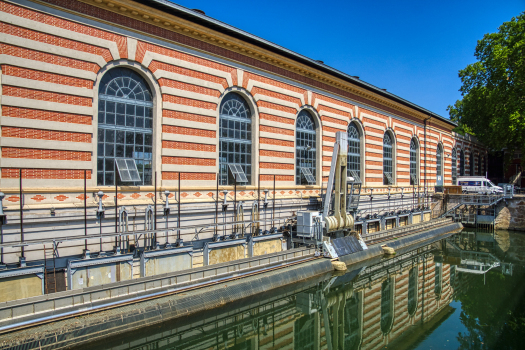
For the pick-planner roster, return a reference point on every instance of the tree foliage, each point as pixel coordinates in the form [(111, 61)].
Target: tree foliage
[(493, 89)]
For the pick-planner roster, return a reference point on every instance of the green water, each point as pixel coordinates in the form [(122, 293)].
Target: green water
[(466, 292)]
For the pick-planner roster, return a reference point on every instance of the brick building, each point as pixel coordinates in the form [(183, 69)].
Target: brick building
[(86, 82)]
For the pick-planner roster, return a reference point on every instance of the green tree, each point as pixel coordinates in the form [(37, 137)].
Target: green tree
[(493, 90)]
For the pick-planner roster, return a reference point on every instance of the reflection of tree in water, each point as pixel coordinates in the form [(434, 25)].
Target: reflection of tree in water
[(493, 312)]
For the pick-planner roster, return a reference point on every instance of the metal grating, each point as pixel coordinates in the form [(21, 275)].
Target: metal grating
[(127, 169), (238, 173), (307, 173)]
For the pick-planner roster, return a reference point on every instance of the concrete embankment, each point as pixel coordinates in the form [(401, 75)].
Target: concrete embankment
[(80, 325)]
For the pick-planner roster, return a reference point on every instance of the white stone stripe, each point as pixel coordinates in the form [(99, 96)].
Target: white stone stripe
[(44, 163), (335, 116), (45, 125), (188, 109), (266, 171), (45, 144), (189, 138), (272, 123), (189, 94), (64, 33), (189, 124), (151, 56), (159, 73), (335, 125), (190, 168), (46, 67), (320, 101), (272, 135), (254, 83), (373, 117), (170, 152), (52, 49), (261, 97), (268, 147), (46, 86), (266, 159), (277, 113), (46, 105)]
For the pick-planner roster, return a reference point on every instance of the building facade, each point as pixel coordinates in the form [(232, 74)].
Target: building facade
[(184, 98)]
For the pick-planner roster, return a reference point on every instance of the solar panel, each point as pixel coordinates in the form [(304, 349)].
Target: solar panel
[(356, 177), (127, 169), (238, 172), (308, 175), (389, 178)]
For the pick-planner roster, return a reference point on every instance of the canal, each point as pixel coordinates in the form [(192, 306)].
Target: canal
[(464, 292)]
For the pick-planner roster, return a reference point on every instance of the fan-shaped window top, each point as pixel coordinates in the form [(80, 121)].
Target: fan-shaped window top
[(234, 105), (354, 150), (413, 162), (305, 146), (122, 83)]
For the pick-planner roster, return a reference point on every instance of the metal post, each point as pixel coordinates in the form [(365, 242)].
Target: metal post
[(85, 208), (234, 228), (21, 218), (178, 214), (273, 209), (155, 207), (116, 211), (217, 204)]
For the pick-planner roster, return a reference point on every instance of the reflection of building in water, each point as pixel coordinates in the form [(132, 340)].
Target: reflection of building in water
[(365, 309)]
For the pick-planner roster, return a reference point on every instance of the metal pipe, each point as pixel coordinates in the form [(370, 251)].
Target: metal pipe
[(21, 218), (178, 212), (116, 211), (234, 228), (85, 208), (216, 203), (155, 212), (273, 209)]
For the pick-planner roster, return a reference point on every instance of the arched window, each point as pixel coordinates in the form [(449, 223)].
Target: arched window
[(412, 291), (471, 163), (305, 146), (354, 151), (454, 165), (125, 125), (235, 137), (461, 163), (386, 306), (438, 277), (353, 321), (413, 162), (388, 178), (439, 161)]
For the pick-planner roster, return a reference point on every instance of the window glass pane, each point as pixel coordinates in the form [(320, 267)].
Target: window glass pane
[(305, 147)]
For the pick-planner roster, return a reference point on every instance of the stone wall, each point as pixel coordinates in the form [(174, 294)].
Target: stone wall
[(511, 214)]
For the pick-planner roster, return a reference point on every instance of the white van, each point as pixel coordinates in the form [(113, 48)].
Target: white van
[(478, 184)]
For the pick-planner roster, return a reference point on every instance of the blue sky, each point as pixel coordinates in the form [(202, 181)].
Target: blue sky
[(413, 49)]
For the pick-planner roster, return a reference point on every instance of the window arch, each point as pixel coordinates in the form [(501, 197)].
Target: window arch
[(125, 125), (413, 162), (305, 146), (235, 137), (461, 163), (439, 160), (354, 150), (454, 165), (388, 167)]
